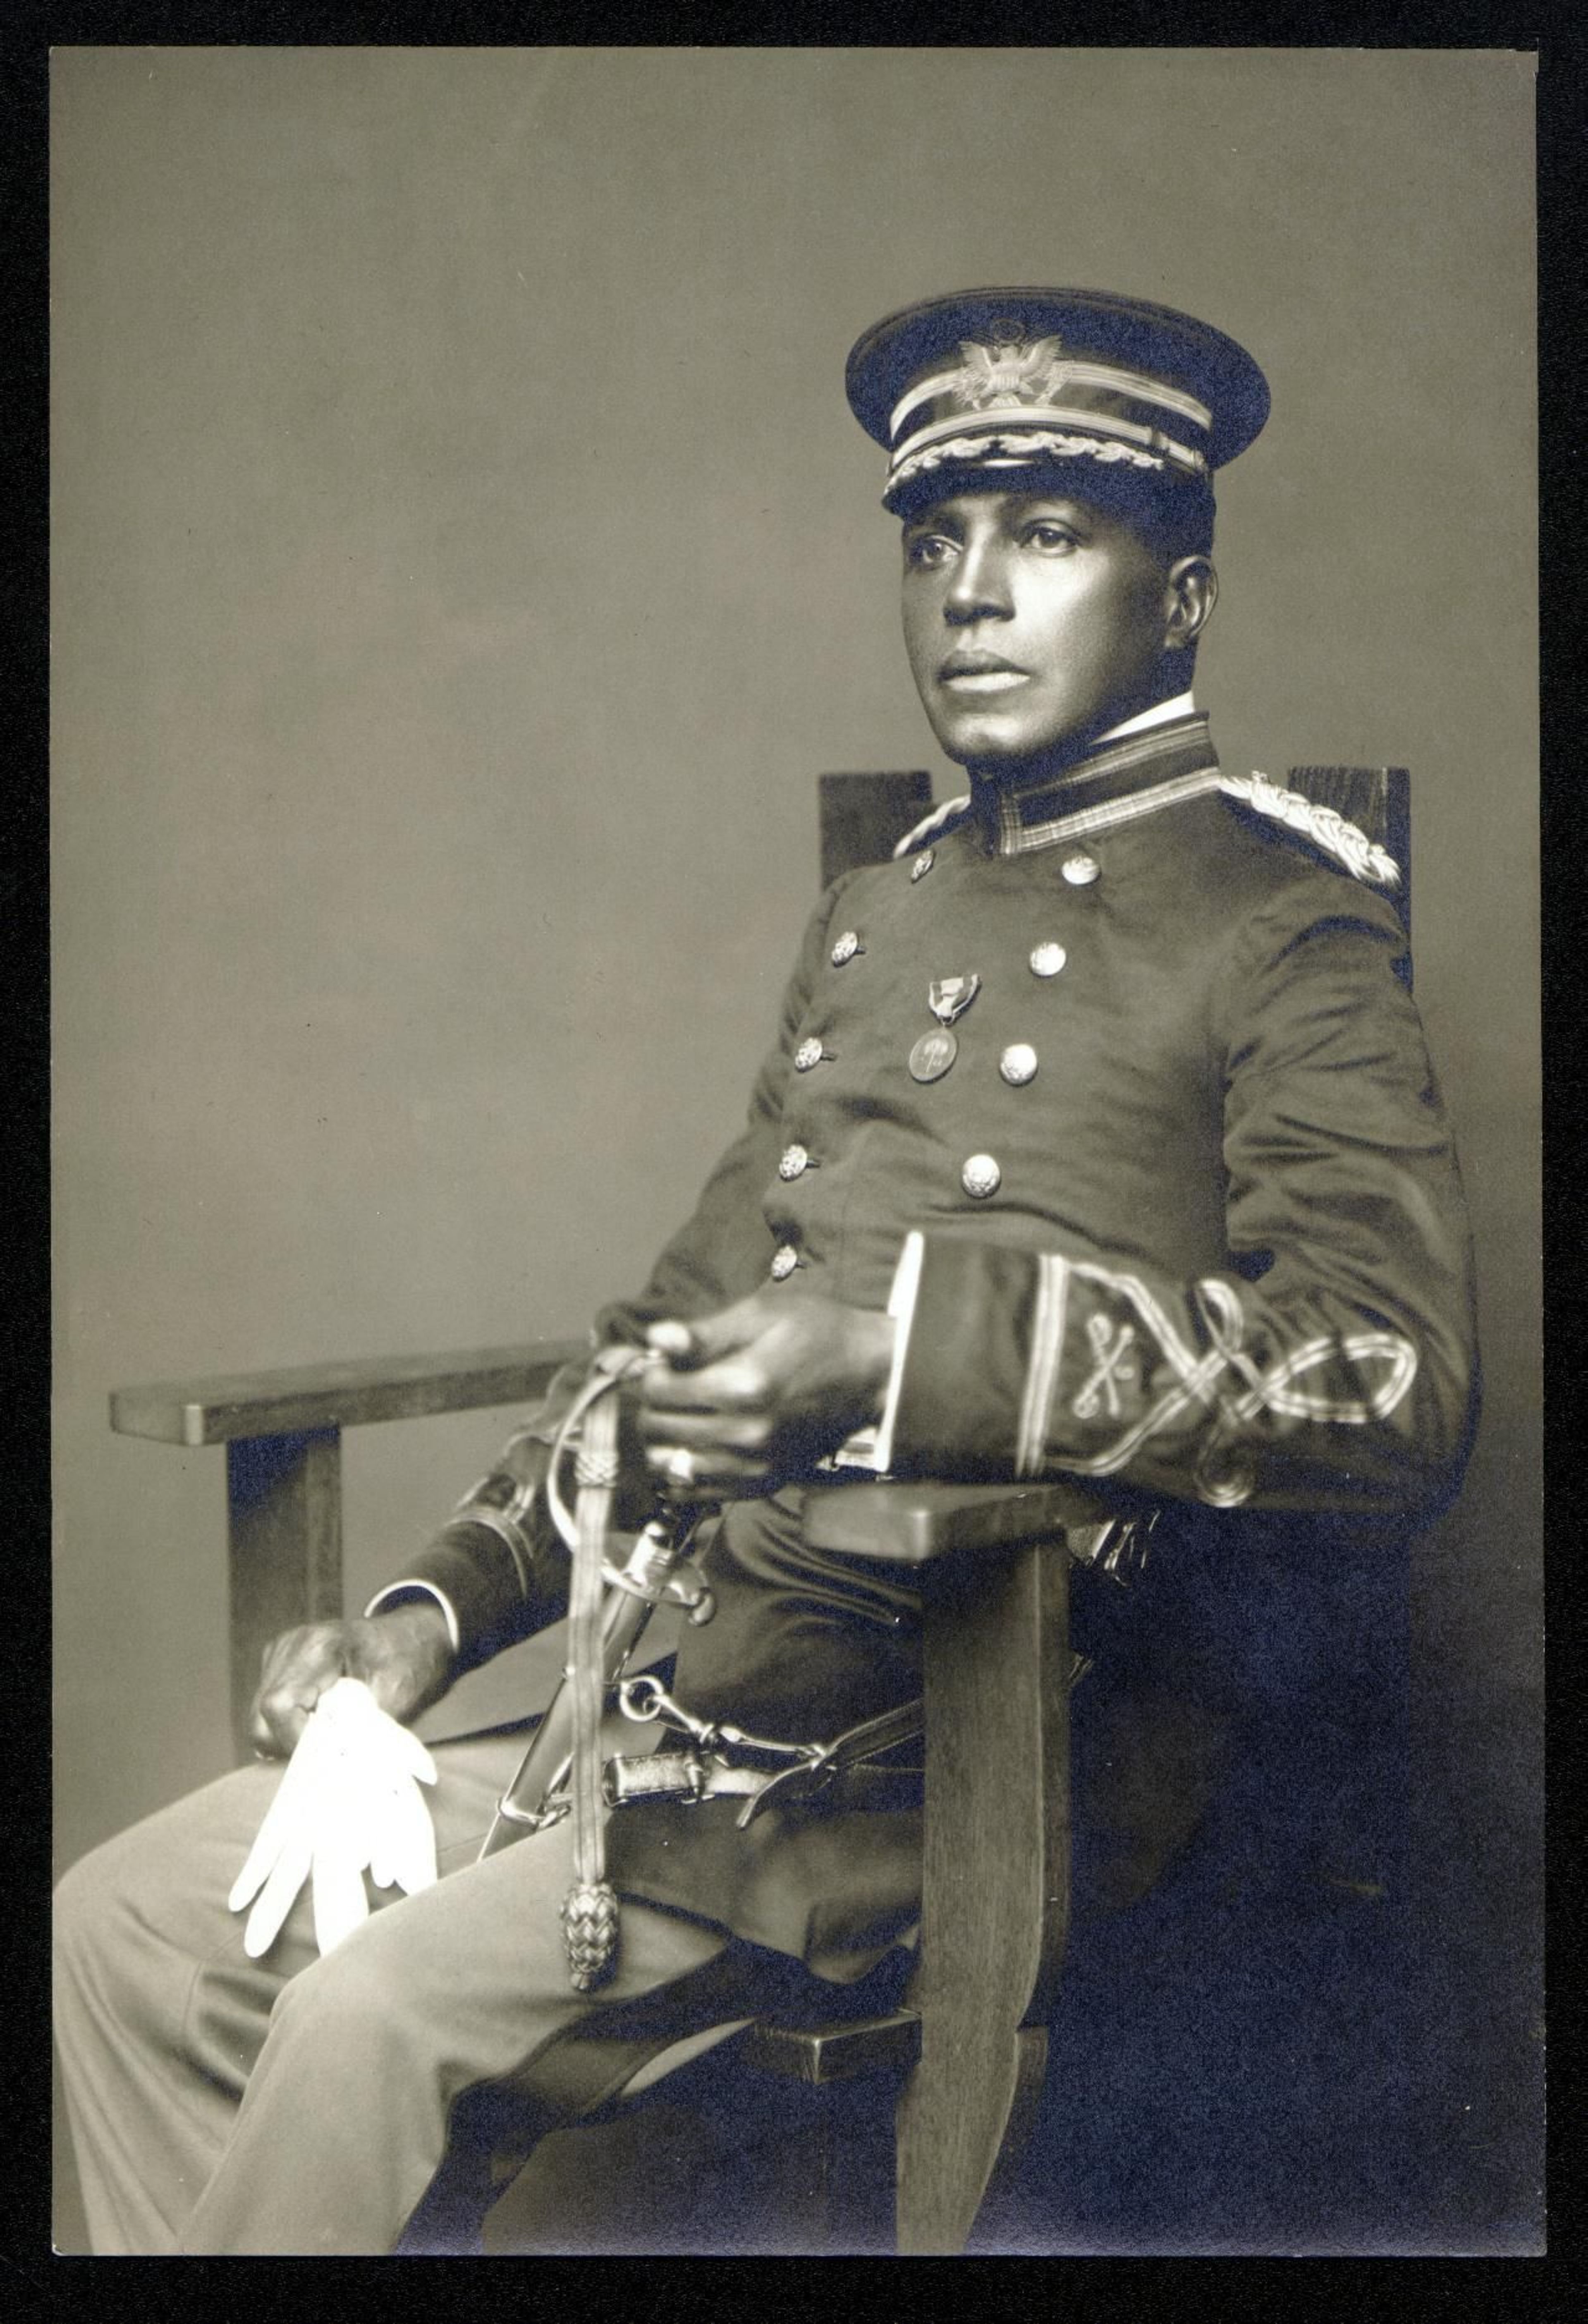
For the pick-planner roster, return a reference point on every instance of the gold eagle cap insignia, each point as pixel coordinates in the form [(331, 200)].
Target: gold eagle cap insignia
[(1007, 373)]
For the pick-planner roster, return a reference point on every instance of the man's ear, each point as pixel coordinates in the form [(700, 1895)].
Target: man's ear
[(1191, 591)]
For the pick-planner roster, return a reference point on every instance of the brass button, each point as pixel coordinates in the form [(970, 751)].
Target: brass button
[(785, 1259), (847, 946), (1047, 959), (980, 1175), (1018, 1064), (794, 1160), (810, 1053), (922, 864), (1081, 869)]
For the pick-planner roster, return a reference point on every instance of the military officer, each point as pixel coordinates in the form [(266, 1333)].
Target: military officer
[(1098, 1139)]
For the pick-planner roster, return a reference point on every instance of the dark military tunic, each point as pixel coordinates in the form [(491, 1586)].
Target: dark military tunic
[(1188, 1225)]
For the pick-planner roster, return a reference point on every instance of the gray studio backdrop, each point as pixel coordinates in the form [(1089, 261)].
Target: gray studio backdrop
[(463, 563)]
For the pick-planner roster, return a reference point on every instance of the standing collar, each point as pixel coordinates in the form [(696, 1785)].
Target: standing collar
[(1144, 765), (1178, 706)]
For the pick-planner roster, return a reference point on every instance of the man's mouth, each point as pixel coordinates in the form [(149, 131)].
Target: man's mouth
[(980, 673)]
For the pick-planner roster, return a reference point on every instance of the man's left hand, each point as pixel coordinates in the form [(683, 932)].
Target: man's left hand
[(764, 1389)]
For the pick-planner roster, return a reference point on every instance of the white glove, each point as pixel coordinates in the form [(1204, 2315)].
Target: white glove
[(349, 1802)]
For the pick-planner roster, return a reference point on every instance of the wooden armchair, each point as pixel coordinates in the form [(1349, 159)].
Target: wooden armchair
[(968, 2053)]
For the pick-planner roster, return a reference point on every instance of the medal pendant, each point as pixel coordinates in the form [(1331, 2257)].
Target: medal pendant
[(933, 1054)]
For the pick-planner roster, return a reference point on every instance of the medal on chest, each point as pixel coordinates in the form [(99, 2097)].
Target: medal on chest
[(948, 997)]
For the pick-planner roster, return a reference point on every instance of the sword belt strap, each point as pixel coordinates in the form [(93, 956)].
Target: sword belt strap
[(687, 1777), (836, 1773)]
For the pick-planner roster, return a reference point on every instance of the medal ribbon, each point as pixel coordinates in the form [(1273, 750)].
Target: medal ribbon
[(948, 997)]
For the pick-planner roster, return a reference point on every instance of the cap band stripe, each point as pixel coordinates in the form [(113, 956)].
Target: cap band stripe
[(1134, 385)]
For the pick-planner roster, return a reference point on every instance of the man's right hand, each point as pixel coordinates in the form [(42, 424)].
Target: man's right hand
[(403, 1655)]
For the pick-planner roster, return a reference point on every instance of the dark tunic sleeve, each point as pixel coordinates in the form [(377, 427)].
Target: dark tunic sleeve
[(1332, 1362)]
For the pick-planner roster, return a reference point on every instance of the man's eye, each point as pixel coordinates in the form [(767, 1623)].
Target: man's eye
[(1052, 540), (928, 548)]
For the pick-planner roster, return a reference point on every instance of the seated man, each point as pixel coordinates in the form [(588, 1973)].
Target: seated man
[(1098, 1139)]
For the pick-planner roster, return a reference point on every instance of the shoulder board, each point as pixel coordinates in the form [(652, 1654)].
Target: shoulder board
[(942, 819), (1326, 828)]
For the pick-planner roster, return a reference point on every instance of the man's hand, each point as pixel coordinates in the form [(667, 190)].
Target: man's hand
[(764, 1389), (403, 1656)]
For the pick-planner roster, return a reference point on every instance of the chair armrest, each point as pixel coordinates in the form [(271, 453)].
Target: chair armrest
[(307, 1397), (917, 1524)]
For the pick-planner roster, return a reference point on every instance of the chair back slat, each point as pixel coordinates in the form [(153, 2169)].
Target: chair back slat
[(863, 816)]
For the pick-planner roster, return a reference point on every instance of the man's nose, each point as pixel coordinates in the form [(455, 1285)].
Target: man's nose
[(979, 589)]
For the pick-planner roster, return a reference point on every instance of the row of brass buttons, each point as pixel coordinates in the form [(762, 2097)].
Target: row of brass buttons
[(1047, 958), (980, 1175)]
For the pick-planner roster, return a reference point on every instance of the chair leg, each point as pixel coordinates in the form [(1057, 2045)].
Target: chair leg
[(284, 1529), (995, 1884)]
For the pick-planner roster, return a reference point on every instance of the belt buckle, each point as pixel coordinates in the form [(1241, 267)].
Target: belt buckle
[(620, 1789)]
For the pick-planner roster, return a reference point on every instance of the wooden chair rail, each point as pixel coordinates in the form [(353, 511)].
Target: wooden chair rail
[(919, 1524), (337, 1395)]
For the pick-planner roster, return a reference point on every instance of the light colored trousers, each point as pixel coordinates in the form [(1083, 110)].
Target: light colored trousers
[(296, 2104)]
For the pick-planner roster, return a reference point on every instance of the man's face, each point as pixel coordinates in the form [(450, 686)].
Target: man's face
[(1032, 621)]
